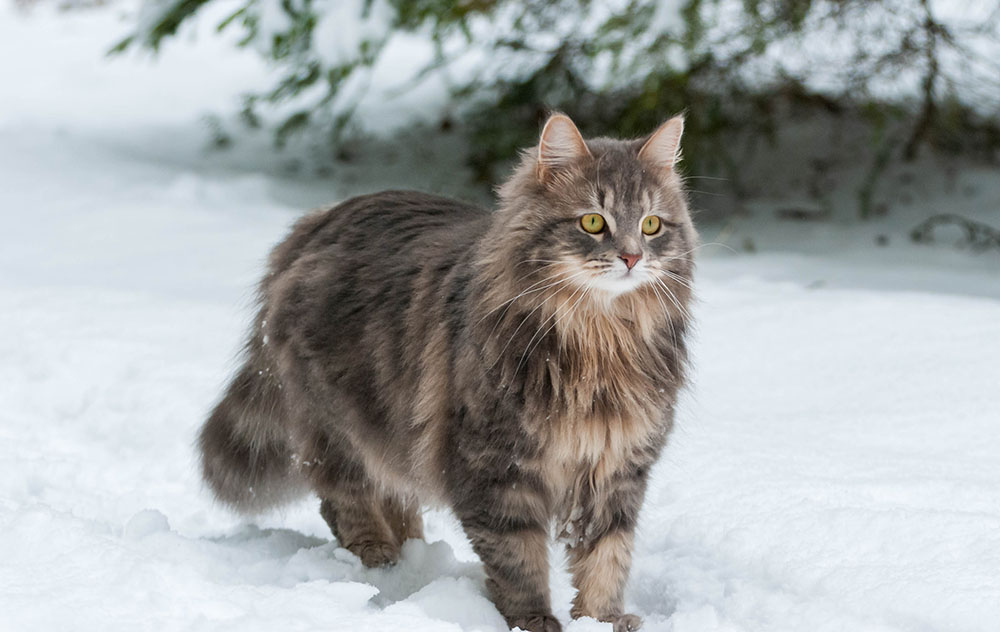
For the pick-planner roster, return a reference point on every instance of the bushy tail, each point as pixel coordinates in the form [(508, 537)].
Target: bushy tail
[(245, 456)]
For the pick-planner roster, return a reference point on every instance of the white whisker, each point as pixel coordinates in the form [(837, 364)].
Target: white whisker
[(673, 298), (670, 321), (529, 349), (537, 307), (530, 290)]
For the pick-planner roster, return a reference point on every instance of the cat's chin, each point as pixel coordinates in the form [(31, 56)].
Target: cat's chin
[(617, 284)]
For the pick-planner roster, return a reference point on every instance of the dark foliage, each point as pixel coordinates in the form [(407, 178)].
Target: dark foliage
[(738, 68)]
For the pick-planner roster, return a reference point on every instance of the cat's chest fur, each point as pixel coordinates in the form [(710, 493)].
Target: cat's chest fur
[(606, 403)]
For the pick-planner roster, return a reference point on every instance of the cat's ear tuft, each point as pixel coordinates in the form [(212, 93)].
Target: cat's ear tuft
[(663, 149), (560, 145)]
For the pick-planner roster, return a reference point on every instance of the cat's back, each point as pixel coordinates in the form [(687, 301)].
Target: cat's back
[(388, 225), (355, 292), (349, 307)]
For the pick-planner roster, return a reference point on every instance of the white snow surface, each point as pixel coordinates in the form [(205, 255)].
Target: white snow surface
[(836, 464)]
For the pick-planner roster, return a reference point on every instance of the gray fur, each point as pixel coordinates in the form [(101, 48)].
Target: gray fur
[(409, 350)]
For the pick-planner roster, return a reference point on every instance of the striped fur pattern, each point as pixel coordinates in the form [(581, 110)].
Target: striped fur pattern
[(412, 350)]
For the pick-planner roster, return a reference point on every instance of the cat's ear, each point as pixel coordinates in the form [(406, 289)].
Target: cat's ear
[(561, 145), (663, 149)]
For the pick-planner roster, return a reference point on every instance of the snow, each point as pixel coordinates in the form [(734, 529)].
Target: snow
[(834, 467), (345, 25), (272, 22)]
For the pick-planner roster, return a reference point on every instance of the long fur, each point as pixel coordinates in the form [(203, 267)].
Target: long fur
[(412, 349)]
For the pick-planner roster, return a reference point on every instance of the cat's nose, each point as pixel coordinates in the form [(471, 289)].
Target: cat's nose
[(630, 260)]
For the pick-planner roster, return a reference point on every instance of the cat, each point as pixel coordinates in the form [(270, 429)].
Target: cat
[(519, 366)]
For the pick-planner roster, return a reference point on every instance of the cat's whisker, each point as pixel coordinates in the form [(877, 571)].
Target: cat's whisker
[(529, 349), (538, 269), (537, 307), (680, 306), (673, 298), (548, 265), (537, 261), (677, 278), (543, 268), (669, 316), (656, 293), (529, 290), (721, 245), (666, 311), (682, 255), (555, 313), (518, 328), (510, 303), (700, 246), (534, 290)]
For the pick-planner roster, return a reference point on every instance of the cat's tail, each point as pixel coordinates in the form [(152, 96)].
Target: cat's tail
[(245, 457)]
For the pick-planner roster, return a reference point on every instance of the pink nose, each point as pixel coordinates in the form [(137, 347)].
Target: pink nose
[(630, 260)]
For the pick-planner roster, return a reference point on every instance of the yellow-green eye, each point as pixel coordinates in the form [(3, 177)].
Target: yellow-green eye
[(651, 225), (592, 223)]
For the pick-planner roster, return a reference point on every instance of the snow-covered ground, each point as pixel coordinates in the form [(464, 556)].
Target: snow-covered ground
[(836, 465)]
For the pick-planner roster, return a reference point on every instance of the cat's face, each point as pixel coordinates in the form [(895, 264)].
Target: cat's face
[(609, 216)]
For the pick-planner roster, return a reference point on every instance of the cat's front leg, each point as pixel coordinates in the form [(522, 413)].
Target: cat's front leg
[(601, 558), (506, 522)]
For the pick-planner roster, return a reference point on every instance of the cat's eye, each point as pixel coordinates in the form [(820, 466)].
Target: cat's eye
[(593, 223), (651, 225)]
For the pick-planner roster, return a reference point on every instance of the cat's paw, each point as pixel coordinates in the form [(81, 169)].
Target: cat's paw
[(535, 623), (626, 623), (375, 554)]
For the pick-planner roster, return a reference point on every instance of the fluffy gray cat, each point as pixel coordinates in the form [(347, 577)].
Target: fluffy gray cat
[(519, 366)]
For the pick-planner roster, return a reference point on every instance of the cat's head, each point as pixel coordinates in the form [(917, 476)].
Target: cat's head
[(605, 215)]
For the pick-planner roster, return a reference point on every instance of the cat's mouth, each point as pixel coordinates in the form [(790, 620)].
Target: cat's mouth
[(617, 281)]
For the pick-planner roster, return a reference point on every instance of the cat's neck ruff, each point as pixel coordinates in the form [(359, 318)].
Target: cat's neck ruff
[(615, 322)]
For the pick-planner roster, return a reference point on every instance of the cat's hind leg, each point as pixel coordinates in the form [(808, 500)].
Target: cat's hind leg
[(372, 526), (360, 528), (366, 518), (404, 518)]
